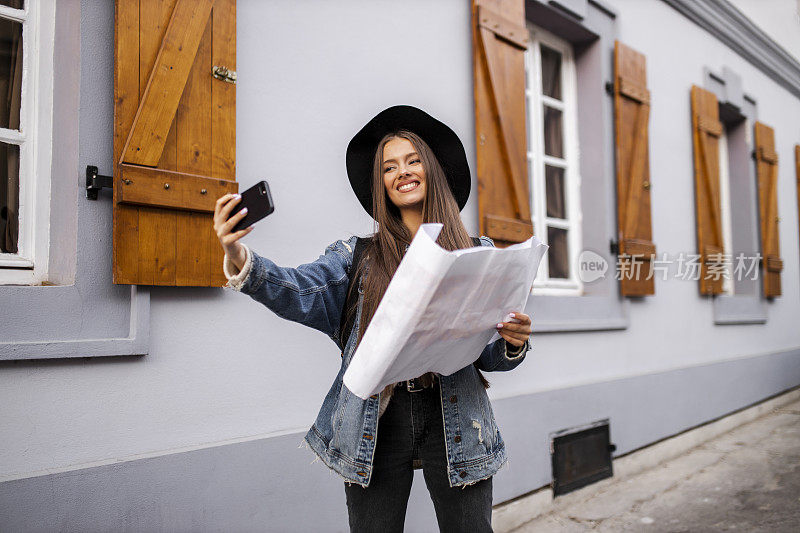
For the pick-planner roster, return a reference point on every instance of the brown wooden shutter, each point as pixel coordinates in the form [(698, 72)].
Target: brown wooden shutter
[(767, 170), (174, 138), (707, 129), (797, 177), (631, 115), (499, 41)]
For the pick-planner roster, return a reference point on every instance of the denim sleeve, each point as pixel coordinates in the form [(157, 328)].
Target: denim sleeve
[(312, 294), (501, 356)]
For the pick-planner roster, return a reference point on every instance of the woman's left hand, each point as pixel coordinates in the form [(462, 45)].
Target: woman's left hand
[(517, 330)]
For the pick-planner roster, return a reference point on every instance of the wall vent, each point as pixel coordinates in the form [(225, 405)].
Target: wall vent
[(581, 456)]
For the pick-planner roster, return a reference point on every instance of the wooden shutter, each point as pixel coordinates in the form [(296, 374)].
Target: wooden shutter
[(767, 171), (631, 115), (499, 41), (174, 138), (797, 178), (707, 129)]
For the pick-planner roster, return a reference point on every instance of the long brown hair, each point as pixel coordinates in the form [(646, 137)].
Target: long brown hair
[(386, 247)]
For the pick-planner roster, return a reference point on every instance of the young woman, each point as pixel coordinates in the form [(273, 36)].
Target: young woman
[(406, 168)]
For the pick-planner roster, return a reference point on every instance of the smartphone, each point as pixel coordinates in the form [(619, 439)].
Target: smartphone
[(258, 201)]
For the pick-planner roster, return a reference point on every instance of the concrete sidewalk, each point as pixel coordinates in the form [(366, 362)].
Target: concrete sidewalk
[(747, 479)]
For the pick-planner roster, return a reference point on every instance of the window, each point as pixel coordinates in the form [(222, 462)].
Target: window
[(725, 211), (25, 122), (553, 159)]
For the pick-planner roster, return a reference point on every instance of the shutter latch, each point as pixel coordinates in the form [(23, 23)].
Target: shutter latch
[(221, 72), (95, 182)]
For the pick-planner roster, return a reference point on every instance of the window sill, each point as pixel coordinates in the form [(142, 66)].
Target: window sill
[(742, 309), (14, 261), (20, 276), (552, 314)]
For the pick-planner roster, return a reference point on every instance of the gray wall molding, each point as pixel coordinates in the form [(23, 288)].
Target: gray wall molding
[(136, 342), (745, 306), (722, 20), (601, 307), (263, 484)]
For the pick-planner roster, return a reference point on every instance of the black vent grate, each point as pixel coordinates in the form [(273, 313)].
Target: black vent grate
[(581, 456)]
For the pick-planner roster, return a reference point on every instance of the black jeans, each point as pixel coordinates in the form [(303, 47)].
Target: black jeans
[(411, 429)]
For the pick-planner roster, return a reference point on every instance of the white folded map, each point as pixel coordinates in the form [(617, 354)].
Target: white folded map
[(440, 309)]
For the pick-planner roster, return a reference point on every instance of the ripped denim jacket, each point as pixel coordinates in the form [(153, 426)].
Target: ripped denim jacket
[(345, 431)]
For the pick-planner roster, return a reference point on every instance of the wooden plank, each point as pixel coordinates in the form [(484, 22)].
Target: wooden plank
[(633, 90), (637, 247), (156, 252), (223, 95), (507, 229), (514, 34), (194, 150), (708, 124), (126, 100), (223, 119), (636, 164), (767, 170), (797, 182), (513, 157), (166, 83), (146, 186), (162, 11)]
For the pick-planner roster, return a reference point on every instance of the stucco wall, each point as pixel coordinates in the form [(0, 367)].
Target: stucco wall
[(222, 367)]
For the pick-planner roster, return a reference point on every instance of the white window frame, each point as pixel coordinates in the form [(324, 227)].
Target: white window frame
[(29, 265), (725, 210), (534, 100)]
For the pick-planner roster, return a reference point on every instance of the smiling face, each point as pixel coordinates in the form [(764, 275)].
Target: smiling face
[(403, 174)]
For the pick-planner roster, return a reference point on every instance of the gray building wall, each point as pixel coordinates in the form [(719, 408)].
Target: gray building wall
[(203, 431)]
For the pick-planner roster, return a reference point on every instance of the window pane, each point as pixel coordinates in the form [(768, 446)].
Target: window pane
[(16, 4), (10, 73), (554, 183), (553, 133), (557, 256), (9, 197), (551, 72)]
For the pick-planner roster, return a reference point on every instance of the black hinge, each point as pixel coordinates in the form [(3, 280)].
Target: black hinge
[(613, 246), (95, 182), (610, 88)]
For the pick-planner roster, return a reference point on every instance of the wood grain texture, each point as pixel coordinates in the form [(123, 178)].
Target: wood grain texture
[(194, 127), (767, 175), (631, 118), (168, 237), (175, 190), (797, 181), (126, 100), (223, 118), (223, 95), (706, 130), (166, 82), (500, 120)]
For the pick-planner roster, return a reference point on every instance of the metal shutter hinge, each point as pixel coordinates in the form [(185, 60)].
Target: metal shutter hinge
[(95, 182)]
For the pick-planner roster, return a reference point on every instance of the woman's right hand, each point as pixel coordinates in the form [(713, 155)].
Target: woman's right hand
[(222, 226)]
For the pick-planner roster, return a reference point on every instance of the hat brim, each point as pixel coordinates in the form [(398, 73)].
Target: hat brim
[(443, 141)]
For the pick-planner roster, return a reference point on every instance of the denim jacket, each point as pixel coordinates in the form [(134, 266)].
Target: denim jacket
[(346, 429)]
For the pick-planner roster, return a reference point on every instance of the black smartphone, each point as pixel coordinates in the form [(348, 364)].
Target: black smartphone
[(258, 201)]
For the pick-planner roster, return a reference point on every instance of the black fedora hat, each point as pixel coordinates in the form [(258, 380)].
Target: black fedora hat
[(443, 141)]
